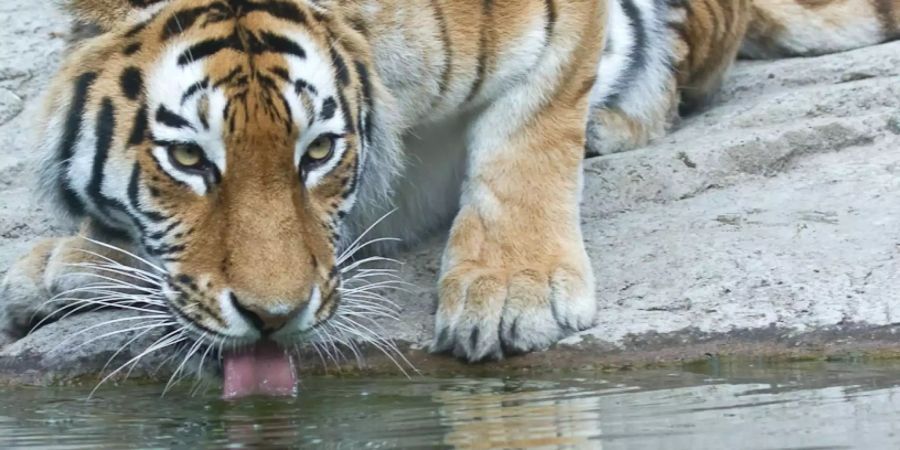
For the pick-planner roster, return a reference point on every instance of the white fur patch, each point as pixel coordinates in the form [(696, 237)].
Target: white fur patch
[(644, 93), (165, 87), (317, 71), (303, 322), (238, 326), (616, 54)]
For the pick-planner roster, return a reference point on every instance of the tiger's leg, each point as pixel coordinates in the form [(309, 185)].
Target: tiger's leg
[(515, 274), (55, 267), (635, 98), (614, 129), (709, 34), (814, 27)]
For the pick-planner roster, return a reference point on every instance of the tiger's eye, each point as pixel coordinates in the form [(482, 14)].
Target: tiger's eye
[(186, 155), (320, 149)]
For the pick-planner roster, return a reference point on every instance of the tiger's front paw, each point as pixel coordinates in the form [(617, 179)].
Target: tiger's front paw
[(498, 298), (23, 294), (49, 282), (490, 312)]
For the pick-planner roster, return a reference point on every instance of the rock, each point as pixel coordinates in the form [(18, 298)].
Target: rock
[(10, 105), (767, 224), (81, 348)]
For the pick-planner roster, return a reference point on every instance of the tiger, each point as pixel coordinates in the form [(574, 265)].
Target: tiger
[(234, 151)]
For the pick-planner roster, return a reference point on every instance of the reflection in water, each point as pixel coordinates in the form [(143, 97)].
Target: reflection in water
[(489, 414), (734, 407)]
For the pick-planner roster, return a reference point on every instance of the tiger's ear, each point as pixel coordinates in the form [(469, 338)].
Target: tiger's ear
[(108, 14)]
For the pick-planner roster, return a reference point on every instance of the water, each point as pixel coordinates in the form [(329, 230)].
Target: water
[(811, 405)]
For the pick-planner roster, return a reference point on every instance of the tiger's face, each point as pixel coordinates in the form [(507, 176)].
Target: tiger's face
[(227, 138)]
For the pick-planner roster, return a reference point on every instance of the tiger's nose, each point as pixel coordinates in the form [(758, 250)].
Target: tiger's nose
[(264, 320)]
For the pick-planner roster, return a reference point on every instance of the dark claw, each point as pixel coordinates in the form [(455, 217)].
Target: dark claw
[(443, 340), (473, 339)]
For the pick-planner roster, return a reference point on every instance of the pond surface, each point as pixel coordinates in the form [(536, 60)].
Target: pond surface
[(712, 405)]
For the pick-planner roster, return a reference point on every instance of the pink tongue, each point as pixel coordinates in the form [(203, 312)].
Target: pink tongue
[(262, 369)]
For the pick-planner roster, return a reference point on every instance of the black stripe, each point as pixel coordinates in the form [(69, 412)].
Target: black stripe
[(340, 67), (165, 249), (133, 196), (354, 180), (133, 186), (550, 26), (139, 130), (69, 138), (281, 44), (104, 133), (637, 53), (280, 9), (101, 229), (487, 7), (131, 49), (639, 50), (132, 82), (195, 321), (448, 47), (227, 78), (300, 85), (363, 73), (170, 119), (105, 126), (366, 126), (136, 29), (328, 108), (161, 234), (289, 120), (349, 126), (266, 81), (202, 84), (209, 47), (143, 3), (281, 72), (182, 21)]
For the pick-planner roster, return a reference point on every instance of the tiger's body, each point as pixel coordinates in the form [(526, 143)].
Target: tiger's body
[(240, 145)]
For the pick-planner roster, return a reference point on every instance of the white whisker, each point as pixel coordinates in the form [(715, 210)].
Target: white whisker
[(370, 259), (377, 339), (169, 339), (115, 281), (113, 263), (119, 270), (369, 297), (347, 253), (127, 253), (126, 345), (147, 326), (352, 251), (104, 323), (193, 349)]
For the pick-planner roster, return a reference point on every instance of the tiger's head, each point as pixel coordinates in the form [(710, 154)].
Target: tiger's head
[(227, 138)]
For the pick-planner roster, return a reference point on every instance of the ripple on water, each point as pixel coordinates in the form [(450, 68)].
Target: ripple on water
[(735, 406)]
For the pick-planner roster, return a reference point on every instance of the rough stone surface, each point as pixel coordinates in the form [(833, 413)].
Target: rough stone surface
[(765, 226)]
